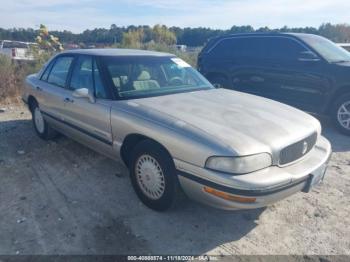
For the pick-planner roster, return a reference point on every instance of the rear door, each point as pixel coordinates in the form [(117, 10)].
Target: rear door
[(240, 58), (51, 89), (247, 66), (89, 121)]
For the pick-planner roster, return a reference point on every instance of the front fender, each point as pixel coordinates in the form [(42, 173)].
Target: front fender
[(183, 141)]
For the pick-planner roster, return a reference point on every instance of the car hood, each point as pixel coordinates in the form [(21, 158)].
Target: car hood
[(246, 123)]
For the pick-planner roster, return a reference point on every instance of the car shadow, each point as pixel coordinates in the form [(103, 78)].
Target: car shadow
[(339, 141)]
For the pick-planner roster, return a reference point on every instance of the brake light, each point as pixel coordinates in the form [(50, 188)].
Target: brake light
[(13, 52)]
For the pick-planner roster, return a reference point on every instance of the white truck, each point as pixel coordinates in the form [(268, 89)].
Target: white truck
[(18, 51)]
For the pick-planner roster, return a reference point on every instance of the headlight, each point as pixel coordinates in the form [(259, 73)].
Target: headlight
[(239, 165)]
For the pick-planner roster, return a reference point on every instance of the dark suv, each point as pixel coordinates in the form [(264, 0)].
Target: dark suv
[(303, 70)]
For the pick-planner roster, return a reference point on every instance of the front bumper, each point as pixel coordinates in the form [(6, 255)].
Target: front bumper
[(265, 186)]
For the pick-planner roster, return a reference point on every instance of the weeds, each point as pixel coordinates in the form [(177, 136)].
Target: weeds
[(12, 77)]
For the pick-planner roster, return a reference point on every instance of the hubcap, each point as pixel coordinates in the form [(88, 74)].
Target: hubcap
[(39, 120), (344, 115), (150, 177)]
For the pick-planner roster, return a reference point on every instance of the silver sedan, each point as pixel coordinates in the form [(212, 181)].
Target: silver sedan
[(174, 130)]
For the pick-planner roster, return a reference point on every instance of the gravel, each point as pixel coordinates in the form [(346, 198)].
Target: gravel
[(62, 198)]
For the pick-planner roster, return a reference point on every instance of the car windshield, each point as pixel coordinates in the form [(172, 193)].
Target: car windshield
[(326, 48), (144, 76)]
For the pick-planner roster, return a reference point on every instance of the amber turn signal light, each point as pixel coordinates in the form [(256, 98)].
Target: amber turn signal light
[(228, 196)]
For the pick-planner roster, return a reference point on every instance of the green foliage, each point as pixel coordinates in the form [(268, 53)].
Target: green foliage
[(159, 38), (339, 33), (189, 57), (133, 38), (159, 34), (162, 35)]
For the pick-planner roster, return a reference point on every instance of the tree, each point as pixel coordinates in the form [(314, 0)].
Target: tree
[(133, 38), (162, 35)]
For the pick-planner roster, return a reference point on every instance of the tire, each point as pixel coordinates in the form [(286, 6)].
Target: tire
[(152, 168), (219, 82), (340, 114), (41, 127)]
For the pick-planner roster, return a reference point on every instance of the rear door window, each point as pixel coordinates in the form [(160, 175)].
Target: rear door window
[(283, 48), (60, 70)]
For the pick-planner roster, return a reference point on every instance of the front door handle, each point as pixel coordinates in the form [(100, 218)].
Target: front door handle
[(67, 99), (39, 88)]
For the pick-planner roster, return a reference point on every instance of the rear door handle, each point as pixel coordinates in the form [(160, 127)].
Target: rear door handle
[(67, 99)]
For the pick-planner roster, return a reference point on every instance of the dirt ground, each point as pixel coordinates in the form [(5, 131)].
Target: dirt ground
[(60, 197)]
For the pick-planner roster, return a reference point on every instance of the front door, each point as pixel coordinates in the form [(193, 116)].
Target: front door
[(89, 119), (277, 73)]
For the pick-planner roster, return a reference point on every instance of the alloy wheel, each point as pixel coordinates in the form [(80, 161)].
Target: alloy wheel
[(343, 115)]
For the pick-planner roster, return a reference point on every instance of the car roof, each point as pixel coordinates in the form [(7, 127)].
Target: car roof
[(116, 52), (214, 40), (263, 34)]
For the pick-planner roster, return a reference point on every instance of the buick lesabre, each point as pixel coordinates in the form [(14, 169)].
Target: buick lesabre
[(174, 130)]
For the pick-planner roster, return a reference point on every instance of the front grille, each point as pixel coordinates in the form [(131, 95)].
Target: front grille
[(297, 150)]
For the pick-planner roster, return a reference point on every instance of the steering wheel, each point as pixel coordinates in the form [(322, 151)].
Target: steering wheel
[(177, 81)]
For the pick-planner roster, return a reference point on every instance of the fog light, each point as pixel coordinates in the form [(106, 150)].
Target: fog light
[(228, 196)]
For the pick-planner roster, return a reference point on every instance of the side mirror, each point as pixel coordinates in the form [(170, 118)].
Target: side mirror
[(84, 93), (308, 56)]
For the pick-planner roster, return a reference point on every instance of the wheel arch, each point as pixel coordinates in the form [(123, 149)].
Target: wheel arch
[(129, 143), (31, 102), (340, 91)]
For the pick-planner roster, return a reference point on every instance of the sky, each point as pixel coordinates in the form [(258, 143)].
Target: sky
[(78, 15)]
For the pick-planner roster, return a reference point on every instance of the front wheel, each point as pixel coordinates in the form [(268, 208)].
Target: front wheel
[(341, 114), (153, 175)]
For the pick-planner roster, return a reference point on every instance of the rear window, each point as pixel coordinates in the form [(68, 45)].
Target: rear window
[(14, 44), (238, 47), (59, 71)]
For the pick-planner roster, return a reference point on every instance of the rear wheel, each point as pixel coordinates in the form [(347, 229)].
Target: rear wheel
[(341, 114), (42, 128), (153, 175)]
